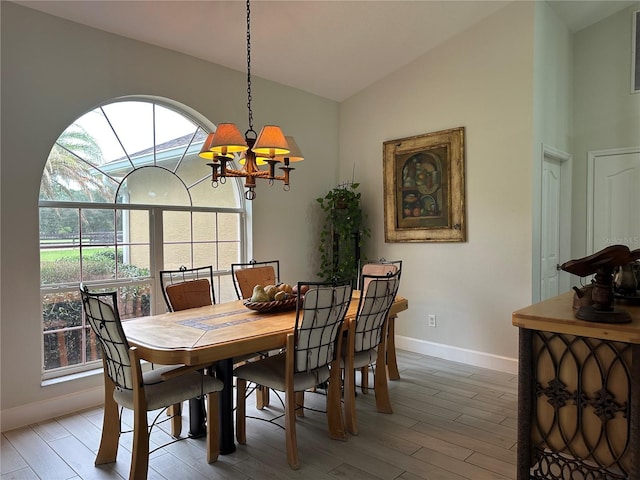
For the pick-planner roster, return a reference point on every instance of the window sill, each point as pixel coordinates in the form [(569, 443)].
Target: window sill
[(71, 377)]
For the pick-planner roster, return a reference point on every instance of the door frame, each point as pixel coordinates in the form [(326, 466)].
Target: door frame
[(592, 156), (566, 167)]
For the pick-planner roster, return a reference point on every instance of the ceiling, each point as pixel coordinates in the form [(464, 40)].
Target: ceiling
[(329, 48)]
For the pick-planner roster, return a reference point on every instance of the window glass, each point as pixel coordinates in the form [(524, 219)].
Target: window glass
[(116, 200), (153, 186), (177, 227)]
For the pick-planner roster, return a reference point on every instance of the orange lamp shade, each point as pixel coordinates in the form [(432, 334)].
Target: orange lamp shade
[(206, 145), (207, 154), (294, 155), (226, 139), (270, 142)]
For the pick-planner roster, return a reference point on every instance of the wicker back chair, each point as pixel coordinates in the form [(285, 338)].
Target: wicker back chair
[(311, 358), (366, 342), (140, 391)]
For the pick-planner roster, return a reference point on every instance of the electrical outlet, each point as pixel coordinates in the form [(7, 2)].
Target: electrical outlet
[(432, 320)]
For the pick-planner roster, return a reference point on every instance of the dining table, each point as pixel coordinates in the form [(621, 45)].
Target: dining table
[(216, 334)]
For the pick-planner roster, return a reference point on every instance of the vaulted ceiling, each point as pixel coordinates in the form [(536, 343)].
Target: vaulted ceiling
[(330, 48)]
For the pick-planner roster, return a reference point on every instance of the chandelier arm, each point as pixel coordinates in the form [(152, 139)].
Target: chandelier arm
[(244, 174)]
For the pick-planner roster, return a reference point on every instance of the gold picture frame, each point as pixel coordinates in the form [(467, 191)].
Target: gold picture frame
[(424, 188)]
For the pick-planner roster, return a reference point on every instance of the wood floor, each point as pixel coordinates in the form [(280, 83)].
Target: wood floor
[(450, 422)]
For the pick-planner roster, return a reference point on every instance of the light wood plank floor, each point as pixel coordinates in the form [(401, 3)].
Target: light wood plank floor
[(450, 422)]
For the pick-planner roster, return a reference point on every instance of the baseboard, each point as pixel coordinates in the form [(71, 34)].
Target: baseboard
[(35, 412), (456, 354)]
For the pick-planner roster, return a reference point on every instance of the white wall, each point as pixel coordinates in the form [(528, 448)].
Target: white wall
[(606, 114), (52, 72), (552, 111), (483, 80)]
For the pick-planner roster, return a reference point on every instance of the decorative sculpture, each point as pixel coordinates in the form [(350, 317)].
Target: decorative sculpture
[(602, 264)]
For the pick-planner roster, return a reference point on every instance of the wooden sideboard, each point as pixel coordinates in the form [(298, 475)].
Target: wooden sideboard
[(578, 394)]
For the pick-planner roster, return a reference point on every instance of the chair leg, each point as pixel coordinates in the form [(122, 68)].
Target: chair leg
[(335, 419), (213, 430), (241, 411), (290, 430), (140, 451), (176, 419), (262, 397), (108, 450), (364, 380), (350, 400), (299, 404), (381, 387)]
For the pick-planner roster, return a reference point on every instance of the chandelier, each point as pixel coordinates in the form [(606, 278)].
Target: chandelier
[(270, 147)]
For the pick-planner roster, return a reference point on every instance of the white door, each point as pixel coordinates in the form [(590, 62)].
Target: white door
[(550, 247), (555, 221), (614, 199)]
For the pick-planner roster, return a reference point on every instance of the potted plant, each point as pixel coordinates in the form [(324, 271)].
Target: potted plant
[(342, 233)]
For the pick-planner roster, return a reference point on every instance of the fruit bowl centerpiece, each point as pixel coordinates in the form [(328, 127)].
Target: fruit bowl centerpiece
[(272, 298)]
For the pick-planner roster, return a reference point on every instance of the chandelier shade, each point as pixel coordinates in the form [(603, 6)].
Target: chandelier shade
[(207, 153), (294, 155), (271, 142), (227, 139)]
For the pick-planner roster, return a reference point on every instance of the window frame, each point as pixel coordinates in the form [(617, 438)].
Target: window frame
[(156, 236)]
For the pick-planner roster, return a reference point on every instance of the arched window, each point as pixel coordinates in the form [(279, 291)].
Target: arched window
[(124, 195)]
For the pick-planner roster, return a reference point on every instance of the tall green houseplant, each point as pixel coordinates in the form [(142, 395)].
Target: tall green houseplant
[(342, 233)]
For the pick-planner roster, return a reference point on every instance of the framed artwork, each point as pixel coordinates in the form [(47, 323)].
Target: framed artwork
[(424, 188), (635, 50)]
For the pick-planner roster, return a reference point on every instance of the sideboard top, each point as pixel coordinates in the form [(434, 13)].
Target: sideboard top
[(556, 315)]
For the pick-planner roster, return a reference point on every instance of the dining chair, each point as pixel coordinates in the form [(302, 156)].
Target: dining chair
[(182, 289), (311, 358), (379, 267), (383, 267), (191, 288), (366, 343), (187, 287), (245, 277), (140, 391), (248, 275)]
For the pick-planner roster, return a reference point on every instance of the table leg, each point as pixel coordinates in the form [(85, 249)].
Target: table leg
[(224, 373), (197, 424), (392, 362)]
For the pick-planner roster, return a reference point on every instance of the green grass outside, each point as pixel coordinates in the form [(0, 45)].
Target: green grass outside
[(71, 253)]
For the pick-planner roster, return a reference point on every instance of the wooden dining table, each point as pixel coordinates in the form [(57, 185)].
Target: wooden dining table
[(217, 334)]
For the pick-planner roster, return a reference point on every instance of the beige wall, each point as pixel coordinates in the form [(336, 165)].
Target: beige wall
[(52, 72), (480, 80)]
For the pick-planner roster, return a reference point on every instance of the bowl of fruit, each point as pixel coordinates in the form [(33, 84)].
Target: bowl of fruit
[(272, 298)]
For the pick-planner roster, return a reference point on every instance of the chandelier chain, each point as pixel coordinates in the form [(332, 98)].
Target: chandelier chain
[(249, 68), (223, 146)]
